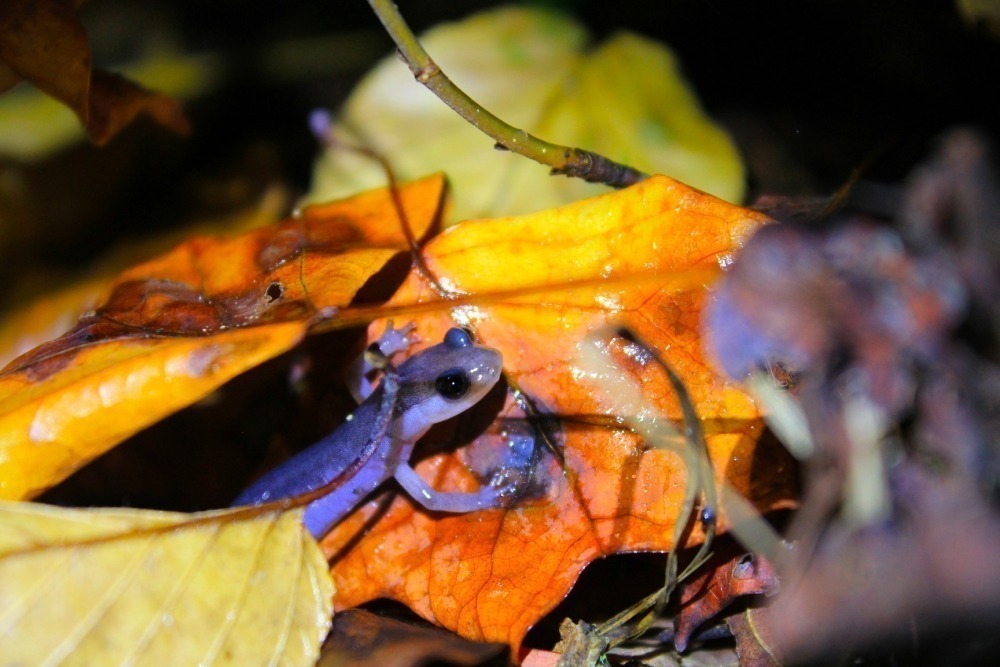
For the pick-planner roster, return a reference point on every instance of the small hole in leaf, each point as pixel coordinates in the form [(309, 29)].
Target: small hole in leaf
[(274, 292)]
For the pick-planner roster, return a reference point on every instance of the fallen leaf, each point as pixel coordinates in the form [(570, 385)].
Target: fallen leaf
[(39, 320), (102, 587), (44, 42), (363, 639), (641, 258), (115, 102), (37, 127), (172, 330), (754, 644), (60, 410), (708, 594), (533, 69)]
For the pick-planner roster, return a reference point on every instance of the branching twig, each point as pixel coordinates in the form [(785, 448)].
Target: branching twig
[(574, 162)]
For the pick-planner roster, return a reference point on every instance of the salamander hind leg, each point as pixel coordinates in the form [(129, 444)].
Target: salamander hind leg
[(487, 497)]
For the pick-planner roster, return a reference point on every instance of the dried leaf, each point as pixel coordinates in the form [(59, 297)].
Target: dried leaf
[(625, 99), (754, 643), (175, 328), (640, 257), (115, 102), (710, 593), (44, 42), (363, 639), (101, 587), (40, 320)]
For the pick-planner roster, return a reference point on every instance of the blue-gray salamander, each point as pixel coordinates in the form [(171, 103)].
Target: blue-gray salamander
[(375, 442)]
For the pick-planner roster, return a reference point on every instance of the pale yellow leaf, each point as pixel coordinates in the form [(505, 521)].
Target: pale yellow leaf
[(625, 99), (115, 587)]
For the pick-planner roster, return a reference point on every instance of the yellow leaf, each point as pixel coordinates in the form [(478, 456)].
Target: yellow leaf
[(50, 426), (173, 329), (102, 587), (625, 99)]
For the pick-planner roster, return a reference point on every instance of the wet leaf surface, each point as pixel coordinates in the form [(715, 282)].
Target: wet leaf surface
[(639, 258)]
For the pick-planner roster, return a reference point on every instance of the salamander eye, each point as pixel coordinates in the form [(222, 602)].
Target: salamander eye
[(453, 384)]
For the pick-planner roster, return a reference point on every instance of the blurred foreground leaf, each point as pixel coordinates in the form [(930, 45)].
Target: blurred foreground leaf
[(102, 587), (44, 42)]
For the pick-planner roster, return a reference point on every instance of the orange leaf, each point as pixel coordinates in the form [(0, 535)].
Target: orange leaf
[(641, 258), (175, 328)]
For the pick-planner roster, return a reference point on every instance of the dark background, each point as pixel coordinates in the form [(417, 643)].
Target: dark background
[(810, 91)]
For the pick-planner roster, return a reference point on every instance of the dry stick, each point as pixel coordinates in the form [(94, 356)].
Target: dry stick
[(574, 162), (319, 121)]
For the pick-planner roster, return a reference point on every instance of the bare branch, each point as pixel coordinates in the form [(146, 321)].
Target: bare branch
[(573, 162)]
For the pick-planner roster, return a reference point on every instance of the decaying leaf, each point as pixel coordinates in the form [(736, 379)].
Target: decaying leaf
[(754, 643), (625, 99), (640, 258), (710, 593), (59, 411), (102, 587), (42, 319), (363, 639), (43, 41), (115, 102), (172, 330)]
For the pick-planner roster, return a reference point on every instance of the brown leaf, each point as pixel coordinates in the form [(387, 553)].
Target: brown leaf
[(45, 43), (707, 595), (754, 645), (363, 639), (115, 102)]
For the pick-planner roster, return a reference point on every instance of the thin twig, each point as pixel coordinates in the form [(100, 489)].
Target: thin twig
[(574, 162)]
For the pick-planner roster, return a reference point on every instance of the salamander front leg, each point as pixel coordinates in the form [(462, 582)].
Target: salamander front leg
[(391, 341)]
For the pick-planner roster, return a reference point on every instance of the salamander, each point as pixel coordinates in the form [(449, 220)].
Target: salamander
[(376, 440)]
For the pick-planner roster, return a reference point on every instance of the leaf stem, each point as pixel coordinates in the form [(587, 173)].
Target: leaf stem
[(573, 162)]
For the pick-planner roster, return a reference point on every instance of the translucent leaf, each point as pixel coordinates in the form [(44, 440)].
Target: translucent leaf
[(103, 587), (625, 99)]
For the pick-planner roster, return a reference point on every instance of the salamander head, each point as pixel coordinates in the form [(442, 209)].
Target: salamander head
[(443, 381)]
